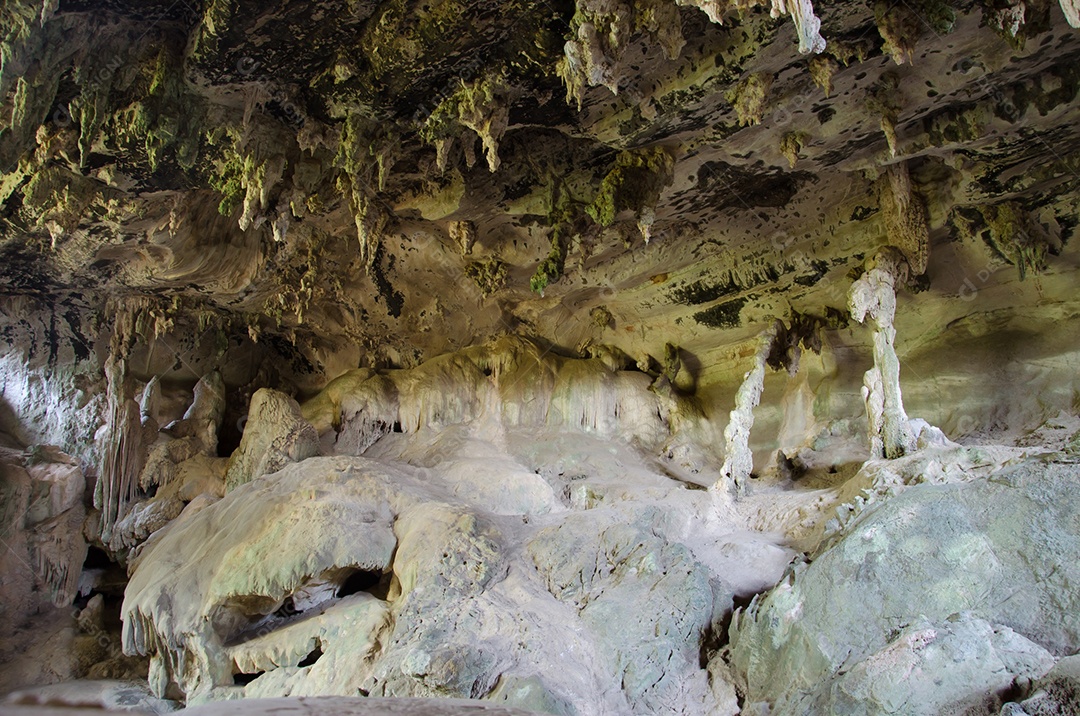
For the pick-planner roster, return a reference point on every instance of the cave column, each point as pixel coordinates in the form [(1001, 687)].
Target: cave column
[(738, 458), (873, 296)]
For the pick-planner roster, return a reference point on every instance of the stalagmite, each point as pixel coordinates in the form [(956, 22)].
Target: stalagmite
[(275, 435), (874, 296), (738, 459)]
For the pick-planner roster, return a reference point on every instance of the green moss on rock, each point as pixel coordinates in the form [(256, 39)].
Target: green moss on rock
[(634, 184), (748, 97), (488, 275)]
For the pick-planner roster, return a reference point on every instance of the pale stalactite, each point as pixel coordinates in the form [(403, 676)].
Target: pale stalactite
[(594, 56), (874, 296), (1071, 8), (738, 458), (807, 24), (533, 388), (120, 449)]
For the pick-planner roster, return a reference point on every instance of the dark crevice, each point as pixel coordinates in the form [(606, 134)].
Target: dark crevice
[(96, 559), (375, 583), (311, 658), (245, 679), (287, 609)]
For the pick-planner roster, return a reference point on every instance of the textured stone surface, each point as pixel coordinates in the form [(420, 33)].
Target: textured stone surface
[(204, 171), (1055, 694), (999, 550), (275, 434)]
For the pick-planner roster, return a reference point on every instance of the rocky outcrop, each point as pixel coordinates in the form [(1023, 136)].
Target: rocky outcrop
[(275, 434), (967, 569), (356, 598)]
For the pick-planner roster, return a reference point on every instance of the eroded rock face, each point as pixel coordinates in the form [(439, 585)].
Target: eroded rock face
[(996, 553), (415, 596), (43, 515), (275, 434)]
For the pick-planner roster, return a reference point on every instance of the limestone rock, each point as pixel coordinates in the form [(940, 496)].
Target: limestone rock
[(340, 706), (234, 588), (960, 666), (275, 435), (1055, 694), (931, 552), (1072, 12), (617, 577)]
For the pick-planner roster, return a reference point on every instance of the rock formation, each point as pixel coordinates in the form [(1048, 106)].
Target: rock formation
[(873, 296), (512, 352)]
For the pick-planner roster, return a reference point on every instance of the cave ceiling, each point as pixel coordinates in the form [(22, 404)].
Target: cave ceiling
[(333, 184)]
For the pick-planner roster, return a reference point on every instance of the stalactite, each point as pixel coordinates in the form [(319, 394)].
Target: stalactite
[(463, 234), (591, 57), (1071, 8), (738, 458), (748, 97), (885, 101), (899, 26), (807, 24), (482, 106), (59, 551), (905, 217), (532, 388), (874, 296), (120, 449), (791, 144), (822, 69), (634, 183), (371, 219), (601, 30)]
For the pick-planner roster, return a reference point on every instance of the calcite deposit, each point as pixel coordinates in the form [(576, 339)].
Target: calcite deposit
[(573, 357)]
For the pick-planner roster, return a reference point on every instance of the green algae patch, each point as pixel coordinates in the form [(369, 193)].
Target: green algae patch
[(633, 184)]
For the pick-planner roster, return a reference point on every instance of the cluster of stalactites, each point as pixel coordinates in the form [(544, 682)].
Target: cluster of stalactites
[(512, 381), (601, 31), (120, 447)]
